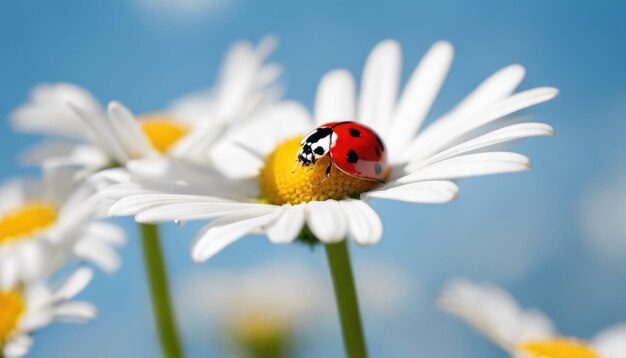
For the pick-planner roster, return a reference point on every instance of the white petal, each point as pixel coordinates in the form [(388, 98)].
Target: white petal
[(242, 83), (74, 284), (135, 203), (427, 192), (79, 312), (432, 140), (17, 346), (611, 342), (236, 79), (47, 111), (8, 271), (470, 165), (196, 211), (494, 313), (108, 233), (197, 144), (498, 136), (32, 257), (379, 86), (160, 168), (235, 160), (288, 226), (99, 253), (101, 133), (128, 130), (226, 230), (12, 193), (498, 86), (47, 150), (327, 221), (60, 181), (334, 101), (495, 88), (365, 225), (105, 178), (194, 108), (419, 94), (241, 154), (267, 45), (36, 320)]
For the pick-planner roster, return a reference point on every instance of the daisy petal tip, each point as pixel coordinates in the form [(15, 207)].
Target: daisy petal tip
[(337, 75), (115, 211), (199, 255), (269, 42), (551, 92), (388, 45), (117, 108), (444, 47)]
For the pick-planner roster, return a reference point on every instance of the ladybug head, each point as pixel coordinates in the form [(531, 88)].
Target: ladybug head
[(315, 145)]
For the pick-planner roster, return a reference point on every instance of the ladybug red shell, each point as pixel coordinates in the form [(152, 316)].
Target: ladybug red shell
[(353, 148)]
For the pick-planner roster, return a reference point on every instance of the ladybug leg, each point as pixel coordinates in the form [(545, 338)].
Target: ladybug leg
[(295, 166), (330, 164), (328, 168)]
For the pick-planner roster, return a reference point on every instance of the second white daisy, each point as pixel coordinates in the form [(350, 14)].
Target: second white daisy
[(44, 223)]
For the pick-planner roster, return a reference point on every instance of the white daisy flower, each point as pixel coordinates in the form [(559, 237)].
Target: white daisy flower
[(524, 333), (281, 198), (43, 223), (184, 129), (26, 308)]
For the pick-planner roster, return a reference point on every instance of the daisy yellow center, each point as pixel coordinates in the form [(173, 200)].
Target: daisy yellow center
[(283, 182), (162, 131), (557, 348), (259, 328), (26, 220), (12, 307)]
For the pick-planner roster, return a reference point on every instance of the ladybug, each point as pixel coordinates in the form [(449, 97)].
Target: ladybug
[(353, 148)]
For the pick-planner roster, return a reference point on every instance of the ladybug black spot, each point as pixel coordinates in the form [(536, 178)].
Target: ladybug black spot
[(352, 157), (355, 133), (319, 150)]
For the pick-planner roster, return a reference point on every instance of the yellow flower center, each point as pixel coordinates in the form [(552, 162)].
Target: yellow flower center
[(162, 131), (558, 348), (12, 307), (283, 182), (260, 327), (26, 220)]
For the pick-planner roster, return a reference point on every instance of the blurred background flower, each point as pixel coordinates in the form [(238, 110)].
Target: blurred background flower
[(524, 231), (522, 332), (272, 307)]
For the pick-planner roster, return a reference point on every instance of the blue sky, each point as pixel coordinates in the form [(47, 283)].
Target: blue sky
[(522, 231)]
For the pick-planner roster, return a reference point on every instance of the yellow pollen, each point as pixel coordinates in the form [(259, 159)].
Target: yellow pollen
[(558, 348), (283, 182), (26, 220), (12, 307), (162, 131)]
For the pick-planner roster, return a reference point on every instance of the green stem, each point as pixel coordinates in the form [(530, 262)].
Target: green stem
[(347, 301), (162, 306)]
